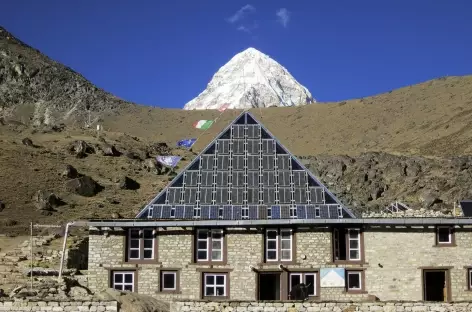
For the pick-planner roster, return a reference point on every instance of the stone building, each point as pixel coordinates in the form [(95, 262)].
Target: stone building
[(245, 220)]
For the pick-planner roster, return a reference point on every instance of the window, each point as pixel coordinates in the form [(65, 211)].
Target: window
[(122, 280), (293, 212), (354, 281), (309, 279), (469, 278), (347, 244), (169, 281), (140, 245), (278, 245), (245, 213), (215, 285), (444, 236), (209, 245)]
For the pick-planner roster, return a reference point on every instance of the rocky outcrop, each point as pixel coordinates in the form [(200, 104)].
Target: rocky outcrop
[(372, 181), (126, 183), (70, 172), (44, 200), (80, 148), (84, 186), (54, 91)]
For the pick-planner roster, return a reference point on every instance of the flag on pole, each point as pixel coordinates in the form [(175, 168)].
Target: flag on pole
[(223, 107), (186, 143), (203, 124), (170, 161)]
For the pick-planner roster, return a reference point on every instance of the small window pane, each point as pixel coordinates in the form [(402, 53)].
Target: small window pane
[(253, 178), (168, 280), (207, 162), (253, 162), (209, 291), (202, 255), (253, 146), (295, 279), (444, 235), (207, 178), (210, 279), (354, 280), (353, 254), (128, 288), (238, 162), (238, 147), (268, 162), (310, 282), (220, 280), (271, 255), (238, 178), (118, 278), (223, 162), (128, 278)]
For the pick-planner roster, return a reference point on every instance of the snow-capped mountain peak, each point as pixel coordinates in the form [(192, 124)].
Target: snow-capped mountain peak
[(251, 79)]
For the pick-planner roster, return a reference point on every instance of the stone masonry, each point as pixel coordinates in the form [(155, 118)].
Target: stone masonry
[(59, 306), (394, 259)]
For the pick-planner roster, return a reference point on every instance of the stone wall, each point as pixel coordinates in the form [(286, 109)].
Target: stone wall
[(59, 306), (227, 306), (394, 259)]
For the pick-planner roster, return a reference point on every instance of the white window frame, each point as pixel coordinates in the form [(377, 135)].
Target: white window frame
[(163, 273), (123, 283), (303, 280), (360, 280), (293, 212), (245, 213), (278, 245), (214, 286), (197, 212), (349, 239), (209, 240), (449, 235), (141, 240)]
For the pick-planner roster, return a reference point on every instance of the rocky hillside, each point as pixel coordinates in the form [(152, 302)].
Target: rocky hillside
[(34, 88)]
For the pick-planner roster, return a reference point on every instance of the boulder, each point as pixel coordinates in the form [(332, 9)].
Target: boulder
[(27, 142), (80, 148), (151, 165), (70, 172), (109, 150), (84, 186), (116, 215), (126, 183), (44, 200)]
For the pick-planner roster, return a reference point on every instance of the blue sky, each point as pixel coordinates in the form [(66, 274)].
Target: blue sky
[(163, 53)]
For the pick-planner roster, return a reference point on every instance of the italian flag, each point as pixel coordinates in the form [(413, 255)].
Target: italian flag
[(203, 124)]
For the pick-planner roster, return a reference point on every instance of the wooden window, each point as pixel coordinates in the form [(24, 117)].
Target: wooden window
[(355, 281), (347, 245), (308, 278), (445, 236), (141, 245), (123, 280), (209, 245), (169, 281), (278, 245), (215, 285)]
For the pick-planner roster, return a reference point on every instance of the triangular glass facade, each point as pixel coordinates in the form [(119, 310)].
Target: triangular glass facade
[(245, 173)]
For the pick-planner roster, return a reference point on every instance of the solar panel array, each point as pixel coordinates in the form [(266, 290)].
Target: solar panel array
[(245, 174)]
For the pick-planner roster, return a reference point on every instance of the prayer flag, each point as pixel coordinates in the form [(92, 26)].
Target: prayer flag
[(203, 124), (186, 143), (223, 107), (170, 161)]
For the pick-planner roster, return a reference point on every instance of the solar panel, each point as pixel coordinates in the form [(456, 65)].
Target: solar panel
[(300, 195), (275, 212), (205, 213), (310, 211), (324, 212), (262, 212), (157, 211), (466, 206), (213, 212), (301, 212), (253, 196), (285, 212), (227, 212), (237, 212), (333, 211), (253, 212), (179, 212), (188, 214), (166, 212)]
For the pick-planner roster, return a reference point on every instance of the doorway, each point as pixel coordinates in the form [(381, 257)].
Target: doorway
[(269, 286), (436, 285)]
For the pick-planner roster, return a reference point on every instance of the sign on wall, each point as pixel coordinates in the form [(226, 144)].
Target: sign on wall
[(332, 277)]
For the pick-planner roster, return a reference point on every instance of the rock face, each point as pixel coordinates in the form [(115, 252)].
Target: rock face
[(372, 181), (251, 79), (56, 92)]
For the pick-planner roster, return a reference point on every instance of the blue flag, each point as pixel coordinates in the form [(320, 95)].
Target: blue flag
[(186, 143), (170, 161)]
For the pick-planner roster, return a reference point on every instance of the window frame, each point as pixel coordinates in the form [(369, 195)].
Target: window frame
[(303, 275), (361, 274), (336, 236), (468, 277), (209, 246), (176, 273), (452, 238), (226, 285), (278, 250), (134, 282), (141, 249)]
